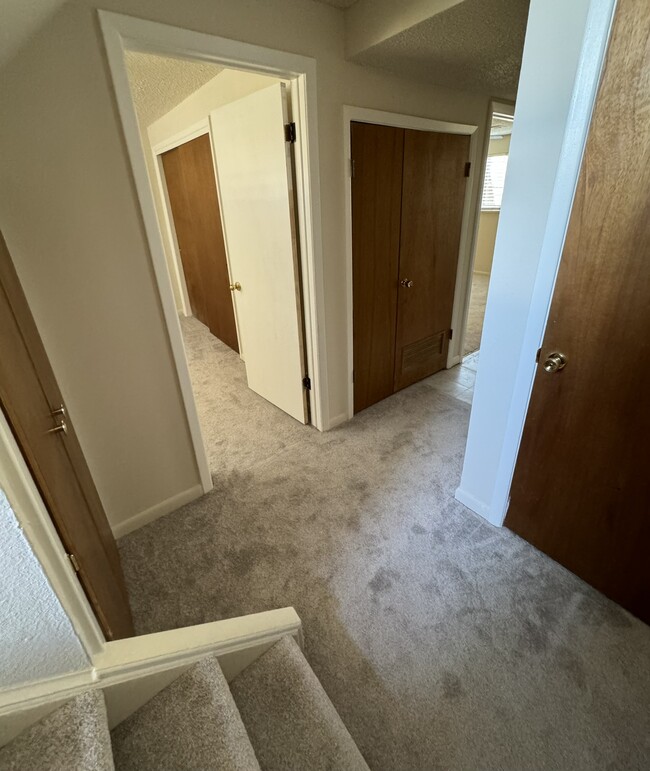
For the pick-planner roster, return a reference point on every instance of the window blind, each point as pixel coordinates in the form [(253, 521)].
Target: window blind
[(495, 175)]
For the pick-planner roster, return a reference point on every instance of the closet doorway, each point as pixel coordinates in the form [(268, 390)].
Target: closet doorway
[(409, 197)]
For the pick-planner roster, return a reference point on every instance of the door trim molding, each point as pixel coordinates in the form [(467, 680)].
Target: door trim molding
[(176, 140), (124, 32), (468, 232)]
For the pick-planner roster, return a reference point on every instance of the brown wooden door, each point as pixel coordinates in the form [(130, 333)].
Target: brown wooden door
[(192, 191), (433, 196), (376, 210), (29, 396), (581, 487)]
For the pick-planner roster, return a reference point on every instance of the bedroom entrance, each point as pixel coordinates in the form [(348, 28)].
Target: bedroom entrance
[(222, 173)]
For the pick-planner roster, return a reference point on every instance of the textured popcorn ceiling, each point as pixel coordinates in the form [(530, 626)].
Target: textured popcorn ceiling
[(476, 46), (338, 3), (159, 83)]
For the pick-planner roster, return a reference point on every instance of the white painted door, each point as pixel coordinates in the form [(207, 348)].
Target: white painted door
[(257, 205)]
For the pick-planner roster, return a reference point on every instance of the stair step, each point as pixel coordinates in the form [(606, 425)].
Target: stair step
[(191, 724), (290, 720), (74, 736)]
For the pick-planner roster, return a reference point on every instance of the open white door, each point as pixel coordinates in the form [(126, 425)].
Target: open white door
[(257, 205)]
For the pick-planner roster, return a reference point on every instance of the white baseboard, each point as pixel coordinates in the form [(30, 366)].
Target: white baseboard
[(338, 419), (154, 512), (478, 507)]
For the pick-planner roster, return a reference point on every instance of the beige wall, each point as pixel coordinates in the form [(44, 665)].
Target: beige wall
[(70, 215), (489, 220), (487, 234)]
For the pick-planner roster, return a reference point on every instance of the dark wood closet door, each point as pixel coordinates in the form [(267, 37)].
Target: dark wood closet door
[(433, 196), (581, 486), (376, 210), (192, 190), (33, 405)]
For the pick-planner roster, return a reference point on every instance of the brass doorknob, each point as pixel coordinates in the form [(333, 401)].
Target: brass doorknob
[(406, 283), (235, 286), (555, 362)]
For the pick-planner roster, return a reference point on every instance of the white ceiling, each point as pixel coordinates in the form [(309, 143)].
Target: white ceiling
[(476, 45), (159, 83)]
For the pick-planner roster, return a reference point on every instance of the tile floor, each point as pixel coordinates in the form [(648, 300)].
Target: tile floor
[(458, 381)]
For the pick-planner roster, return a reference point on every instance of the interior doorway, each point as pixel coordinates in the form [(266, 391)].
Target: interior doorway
[(496, 163), (219, 145)]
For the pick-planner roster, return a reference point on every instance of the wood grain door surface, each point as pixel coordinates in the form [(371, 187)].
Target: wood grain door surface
[(29, 394), (378, 153), (581, 487), (433, 197), (408, 195), (192, 191)]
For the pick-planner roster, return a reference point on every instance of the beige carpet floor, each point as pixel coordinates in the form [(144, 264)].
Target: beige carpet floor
[(477, 301), (443, 642)]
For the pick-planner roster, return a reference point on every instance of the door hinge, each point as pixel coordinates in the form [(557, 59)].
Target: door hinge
[(537, 355), (306, 382), (74, 563), (468, 168), (290, 132), (352, 168), (451, 333)]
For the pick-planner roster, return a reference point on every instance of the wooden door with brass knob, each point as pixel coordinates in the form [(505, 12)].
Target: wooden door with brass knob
[(433, 198), (194, 204), (33, 405), (581, 486)]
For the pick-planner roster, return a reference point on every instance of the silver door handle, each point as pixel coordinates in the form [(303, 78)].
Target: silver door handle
[(555, 362)]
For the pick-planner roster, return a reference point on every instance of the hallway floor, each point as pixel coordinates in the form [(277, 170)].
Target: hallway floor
[(443, 642)]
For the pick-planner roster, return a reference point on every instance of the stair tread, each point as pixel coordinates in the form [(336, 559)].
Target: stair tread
[(193, 723), (73, 736), (291, 722)]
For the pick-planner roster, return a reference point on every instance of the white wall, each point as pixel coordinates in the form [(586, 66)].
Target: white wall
[(70, 215), (36, 637), (551, 122)]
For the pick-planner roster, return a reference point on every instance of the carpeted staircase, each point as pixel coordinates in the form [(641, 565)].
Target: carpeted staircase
[(273, 715)]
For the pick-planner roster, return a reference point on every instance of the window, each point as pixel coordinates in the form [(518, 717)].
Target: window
[(495, 175)]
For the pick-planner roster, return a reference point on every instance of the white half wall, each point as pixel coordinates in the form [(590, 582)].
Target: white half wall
[(36, 637), (554, 105)]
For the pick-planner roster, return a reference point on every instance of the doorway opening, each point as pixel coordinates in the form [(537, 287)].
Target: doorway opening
[(219, 143), (496, 163)]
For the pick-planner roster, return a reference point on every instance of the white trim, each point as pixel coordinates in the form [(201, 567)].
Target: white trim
[(130, 672), (121, 32), (177, 274), (338, 419), (34, 519), (175, 140), (506, 108), (157, 511), (194, 131), (383, 118)]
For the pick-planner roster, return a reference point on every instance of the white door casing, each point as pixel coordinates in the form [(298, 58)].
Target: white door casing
[(257, 199)]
